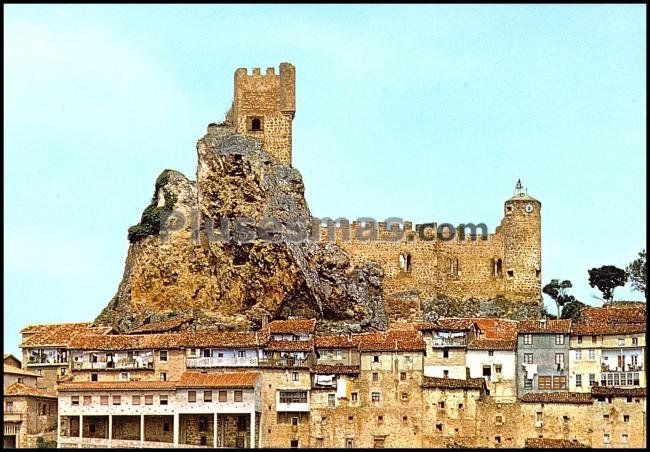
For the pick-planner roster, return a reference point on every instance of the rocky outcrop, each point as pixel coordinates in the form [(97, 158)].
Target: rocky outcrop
[(256, 261)]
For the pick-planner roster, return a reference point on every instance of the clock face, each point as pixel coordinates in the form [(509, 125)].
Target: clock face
[(528, 208)]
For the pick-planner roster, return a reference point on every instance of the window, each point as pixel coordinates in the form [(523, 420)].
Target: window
[(103, 400), (402, 376), (354, 396), (497, 439), (405, 396), (498, 419), (539, 416), (497, 368), (487, 371), (331, 400), (441, 405), (606, 438), (164, 400), (528, 339), (203, 423), (9, 407), (528, 358), (375, 376), (94, 377), (528, 384), (319, 443), (294, 421), (380, 420), (578, 381), (295, 376), (241, 354), (559, 382), (223, 396), (621, 341), (256, 124), (511, 273), (163, 355), (559, 360), (559, 339), (460, 406), (375, 397), (124, 376), (349, 443), (163, 376), (579, 339), (148, 400), (624, 438), (88, 400), (626, 418), (293, 396), (21, 379), (445, 353), (239, 396), (378, 443), (74, 400), (293, 443), (135, 400), (635, 341), (191, 396), (350, 419), (491, 353), (593, 339), (117, 400), (207, 396), (445, 373), (438, 427), (592, 380), (592, 355), (375, 359), (605, 417), (544, 382), (165, 426), (578, 355)]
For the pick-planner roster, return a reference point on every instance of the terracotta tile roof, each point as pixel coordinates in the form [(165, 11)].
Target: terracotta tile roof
[(117, 386), (548, 443), (605, 329), (617, 313), (453, 383), (497, 328), (18, 371), (492, 344), (552, 326), (58, 335), (342, 341), (161, 327), (20, 389), (293, 326), (557, 397), (289, 346), (214, 380), (335, 369), (449, 324), (617, 392), (391, 340)]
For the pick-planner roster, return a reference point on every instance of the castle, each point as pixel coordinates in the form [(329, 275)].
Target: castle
[(420, 264)]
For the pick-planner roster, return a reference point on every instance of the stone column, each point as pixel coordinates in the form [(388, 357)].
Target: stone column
[(110, 429), (260, 444), (214, 430), (142, 428), (176, 426), (81, 429), (252, 443), (58, 431)]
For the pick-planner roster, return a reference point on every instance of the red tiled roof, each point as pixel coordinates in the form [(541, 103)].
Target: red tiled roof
[(618, 313), (551, 326), (289, 346), (617, 392), (548, 443), (391, 340), (449, 324), (159, 327), (492, 344), (18, 371), (293, 326), (342, 341), (335, 369), (215, 380), (453, 383), (117, 386), (58, 335), (605, 329), (557, 397), (20, 389), (497, 328)]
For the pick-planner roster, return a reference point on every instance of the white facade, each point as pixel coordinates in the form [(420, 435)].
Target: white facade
[(502, 378)]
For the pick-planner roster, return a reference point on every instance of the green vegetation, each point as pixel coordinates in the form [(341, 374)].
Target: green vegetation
[(606, 279), (558, 292), (152, 216), (637, 271)]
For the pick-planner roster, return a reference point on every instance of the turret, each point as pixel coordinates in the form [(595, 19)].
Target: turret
[(521, 228)]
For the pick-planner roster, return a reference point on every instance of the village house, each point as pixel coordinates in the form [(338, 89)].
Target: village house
[(446, 347)]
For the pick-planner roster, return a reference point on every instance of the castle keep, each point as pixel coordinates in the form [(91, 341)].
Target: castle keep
[(420, 265)]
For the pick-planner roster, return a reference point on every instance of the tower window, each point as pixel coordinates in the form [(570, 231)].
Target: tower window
[(256, 124), (511, 273)]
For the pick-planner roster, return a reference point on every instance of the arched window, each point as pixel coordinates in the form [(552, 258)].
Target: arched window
[(256, 124), (499, 268), (405, 262)]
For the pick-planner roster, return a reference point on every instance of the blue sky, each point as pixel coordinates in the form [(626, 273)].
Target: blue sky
[(425, 112)]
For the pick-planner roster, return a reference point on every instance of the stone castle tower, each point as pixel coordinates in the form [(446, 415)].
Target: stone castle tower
[(264, 106), (522, 243)]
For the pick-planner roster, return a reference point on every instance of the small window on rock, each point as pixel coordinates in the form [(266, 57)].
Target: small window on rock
[(256, 124), (511, 273)]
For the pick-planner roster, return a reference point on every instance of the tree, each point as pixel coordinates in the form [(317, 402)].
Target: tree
[(637, 271), (571, 309), (606, 279), (557, 291)]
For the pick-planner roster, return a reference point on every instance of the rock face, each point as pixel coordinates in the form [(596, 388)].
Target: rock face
[(258, 259)]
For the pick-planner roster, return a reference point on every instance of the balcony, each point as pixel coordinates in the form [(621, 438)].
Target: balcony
[(219, 362), (13, 416), (605, 367), (110, 365), (449, 341), (45, 361), (629, 379), (286, 362)]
